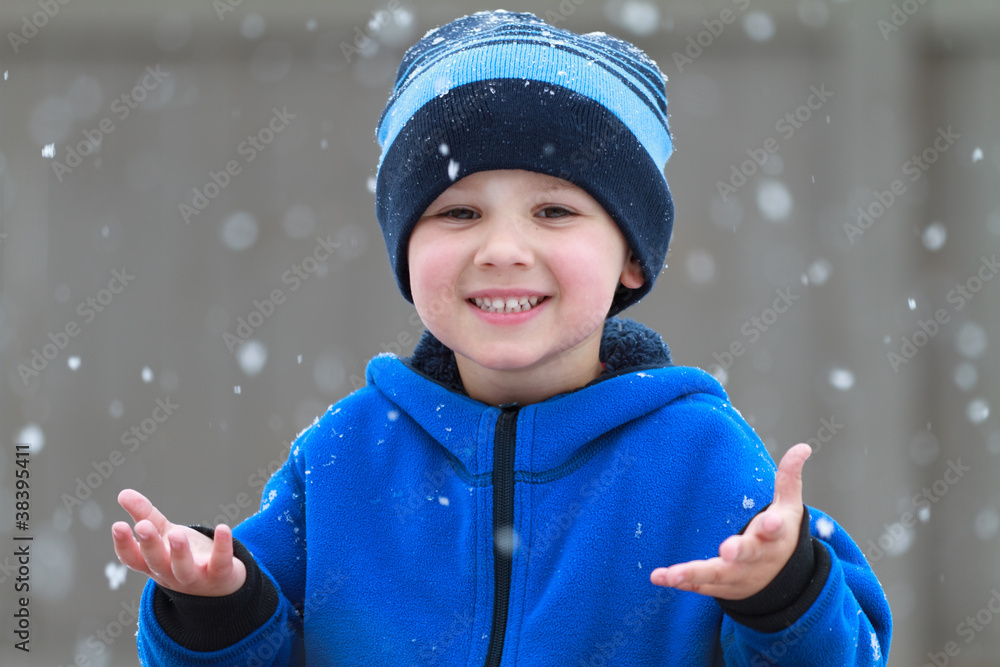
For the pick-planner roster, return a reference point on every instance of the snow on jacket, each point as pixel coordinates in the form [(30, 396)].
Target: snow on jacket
[(397, 490)]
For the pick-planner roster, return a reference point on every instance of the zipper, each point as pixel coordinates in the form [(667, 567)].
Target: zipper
[(503, 524)]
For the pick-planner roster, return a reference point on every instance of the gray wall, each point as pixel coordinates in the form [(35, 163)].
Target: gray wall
[(823, 361)]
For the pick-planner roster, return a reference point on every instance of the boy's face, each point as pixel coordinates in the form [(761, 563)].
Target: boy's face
[(512, 233)]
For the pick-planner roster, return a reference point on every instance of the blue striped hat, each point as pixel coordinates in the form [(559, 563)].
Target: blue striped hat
[(505, 90)]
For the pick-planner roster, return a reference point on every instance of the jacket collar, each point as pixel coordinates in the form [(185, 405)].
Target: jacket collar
[(638, 379), (626, 346)]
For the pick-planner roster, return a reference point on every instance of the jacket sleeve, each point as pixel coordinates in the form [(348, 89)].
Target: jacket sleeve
[(261, 624), (841, 617)]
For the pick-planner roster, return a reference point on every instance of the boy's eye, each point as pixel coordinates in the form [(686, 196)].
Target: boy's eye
[(459, 213), (559, 210), (462, 213)]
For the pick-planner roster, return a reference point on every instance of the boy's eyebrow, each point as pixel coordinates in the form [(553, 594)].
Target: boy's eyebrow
[(552, 186), (557, 185)]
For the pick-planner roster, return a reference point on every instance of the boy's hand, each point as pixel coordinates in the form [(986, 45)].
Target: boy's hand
[(176, 557), (747, 563)]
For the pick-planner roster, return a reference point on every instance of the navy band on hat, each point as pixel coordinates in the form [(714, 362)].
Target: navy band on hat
[(504, 90)]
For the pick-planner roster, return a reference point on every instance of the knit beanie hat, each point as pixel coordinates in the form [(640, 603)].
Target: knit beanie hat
[(505, 90)]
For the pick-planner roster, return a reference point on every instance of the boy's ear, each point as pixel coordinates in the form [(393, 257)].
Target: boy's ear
[(632, 273)]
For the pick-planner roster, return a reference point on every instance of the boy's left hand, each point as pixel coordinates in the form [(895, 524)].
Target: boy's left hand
[(747, 563)]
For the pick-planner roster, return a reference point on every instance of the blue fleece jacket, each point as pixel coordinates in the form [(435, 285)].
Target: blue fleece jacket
[(397, 491)]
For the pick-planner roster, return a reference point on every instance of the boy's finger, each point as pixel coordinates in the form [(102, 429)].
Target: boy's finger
[(739, 549), (771, 526), (181, 560), (153, 550), (127, 549), (221, 562), (695, 574), (788, 480), (139, 508)]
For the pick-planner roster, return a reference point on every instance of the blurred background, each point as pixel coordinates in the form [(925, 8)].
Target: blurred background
[(166, 167)]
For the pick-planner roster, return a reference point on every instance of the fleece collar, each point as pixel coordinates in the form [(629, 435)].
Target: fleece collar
[(626, 346)]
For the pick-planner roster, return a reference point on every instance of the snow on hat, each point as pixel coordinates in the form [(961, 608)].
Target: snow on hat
[(505, 90)]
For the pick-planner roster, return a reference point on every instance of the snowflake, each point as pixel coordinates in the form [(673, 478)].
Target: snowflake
[(747, 503), (876, 650), (825, 527)]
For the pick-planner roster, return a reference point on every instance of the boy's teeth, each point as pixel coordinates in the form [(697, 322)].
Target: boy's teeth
[(507, 305)]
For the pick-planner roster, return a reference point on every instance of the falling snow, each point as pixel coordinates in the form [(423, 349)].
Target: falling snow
[(934, 236), (237, 254), (115, 572), (841, 378)]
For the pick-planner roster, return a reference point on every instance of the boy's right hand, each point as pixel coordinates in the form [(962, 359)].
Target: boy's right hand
[(176, 557)]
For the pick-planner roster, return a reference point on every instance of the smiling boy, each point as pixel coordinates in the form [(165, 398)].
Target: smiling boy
[(548, 252), (572, 497)]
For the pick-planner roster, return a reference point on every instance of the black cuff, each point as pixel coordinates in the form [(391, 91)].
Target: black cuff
[(790, 594), (201, 623)]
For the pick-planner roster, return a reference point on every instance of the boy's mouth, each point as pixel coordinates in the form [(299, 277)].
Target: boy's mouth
[(508, 304)]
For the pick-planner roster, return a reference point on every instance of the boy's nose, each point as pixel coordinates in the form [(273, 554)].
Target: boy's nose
[(504, 244)]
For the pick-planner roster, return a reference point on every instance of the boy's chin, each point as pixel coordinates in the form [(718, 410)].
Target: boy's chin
[(510, 361)]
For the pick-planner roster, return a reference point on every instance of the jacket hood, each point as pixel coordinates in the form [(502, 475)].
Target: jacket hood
[(638, 378)]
